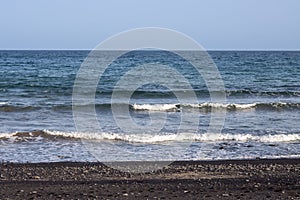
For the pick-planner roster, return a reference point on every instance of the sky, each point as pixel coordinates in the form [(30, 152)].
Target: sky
[(215, 24)]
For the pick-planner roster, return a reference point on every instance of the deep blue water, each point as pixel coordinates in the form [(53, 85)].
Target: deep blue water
[(262, 108)]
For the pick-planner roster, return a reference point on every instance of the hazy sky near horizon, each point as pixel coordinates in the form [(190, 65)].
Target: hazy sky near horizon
[(215, 24)]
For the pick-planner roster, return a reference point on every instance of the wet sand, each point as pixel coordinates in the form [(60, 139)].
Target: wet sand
[(228, 179)]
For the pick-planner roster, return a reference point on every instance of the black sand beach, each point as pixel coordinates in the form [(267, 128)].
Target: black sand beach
[(228, 179)]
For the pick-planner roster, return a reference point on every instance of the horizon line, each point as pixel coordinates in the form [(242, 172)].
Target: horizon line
[(154, 49)]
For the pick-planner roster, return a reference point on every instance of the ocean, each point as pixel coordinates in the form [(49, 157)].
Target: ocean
[(262, 108)]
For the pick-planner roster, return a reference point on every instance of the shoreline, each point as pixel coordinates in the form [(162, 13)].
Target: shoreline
[(214, 179)]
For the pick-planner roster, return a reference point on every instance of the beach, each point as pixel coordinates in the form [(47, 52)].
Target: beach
[(222, 179), (54, 138)]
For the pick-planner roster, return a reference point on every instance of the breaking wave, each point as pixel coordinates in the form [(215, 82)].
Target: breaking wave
[(156, 107), (207, 106), (229, 106), (150, 138)]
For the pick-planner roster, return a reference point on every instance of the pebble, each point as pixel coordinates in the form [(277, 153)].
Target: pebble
[(248, 179)]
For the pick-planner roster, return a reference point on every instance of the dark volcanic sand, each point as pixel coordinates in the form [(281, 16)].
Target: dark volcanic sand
[(232, 179)]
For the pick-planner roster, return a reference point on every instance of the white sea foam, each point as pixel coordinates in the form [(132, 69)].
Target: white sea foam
[(227, 106), (175, 107), (166, 107), (209, 105), (150, 138), (7, 135), (155, 107), (3, 103), (135, 138), (249, 137)]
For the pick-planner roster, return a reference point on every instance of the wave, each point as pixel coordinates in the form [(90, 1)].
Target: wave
[(150, 138), (262, 93), (5, 107), (156, 107), (260, 106), (209, 106), (204, 92), (57, 90), (227, 106), (170, 107)]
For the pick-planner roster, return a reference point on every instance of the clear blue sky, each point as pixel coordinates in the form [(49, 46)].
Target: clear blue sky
[(215, 24)]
